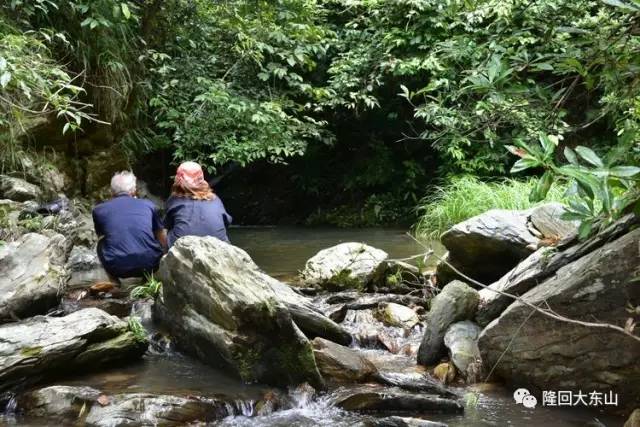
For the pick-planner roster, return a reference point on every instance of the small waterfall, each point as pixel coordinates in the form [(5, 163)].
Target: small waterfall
[(12, 405)]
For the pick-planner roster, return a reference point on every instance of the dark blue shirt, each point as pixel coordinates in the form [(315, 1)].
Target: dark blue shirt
[(189, 217), (128, 225)]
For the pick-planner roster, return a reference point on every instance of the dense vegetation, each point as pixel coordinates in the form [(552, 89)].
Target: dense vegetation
[(364, 103)]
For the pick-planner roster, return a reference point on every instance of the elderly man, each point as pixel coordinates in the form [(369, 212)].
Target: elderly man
[(131, 234)]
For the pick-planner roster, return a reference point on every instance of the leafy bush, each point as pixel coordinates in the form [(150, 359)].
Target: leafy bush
[(463, 197), (601, 190)]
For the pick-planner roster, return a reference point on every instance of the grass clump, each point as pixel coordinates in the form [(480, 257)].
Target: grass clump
[(150, 289), (463, 197)]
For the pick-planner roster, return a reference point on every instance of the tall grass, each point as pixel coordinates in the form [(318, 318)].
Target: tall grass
[(463, 197)]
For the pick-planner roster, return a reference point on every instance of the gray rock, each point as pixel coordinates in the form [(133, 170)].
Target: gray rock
[(18, 189), (68, 405), (84, 268), (456, 302), (341, 363), (401, 316), (546, 220), (31, 275), (540, 265), (223, 309), (462, 341), (344, 266), (413, 381), (549, 354), (42, 346), (400, 422), (487, 246), (380, 399)]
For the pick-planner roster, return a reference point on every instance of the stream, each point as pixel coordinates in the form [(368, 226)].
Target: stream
[(281, 252)]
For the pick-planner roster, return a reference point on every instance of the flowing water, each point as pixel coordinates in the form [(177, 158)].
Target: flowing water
[(281, 252)]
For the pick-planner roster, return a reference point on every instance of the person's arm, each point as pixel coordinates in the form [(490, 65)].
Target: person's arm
[(97, 225), (158, 228), (161, 235)]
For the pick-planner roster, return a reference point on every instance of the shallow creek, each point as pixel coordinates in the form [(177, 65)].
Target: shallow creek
[(281, 252)]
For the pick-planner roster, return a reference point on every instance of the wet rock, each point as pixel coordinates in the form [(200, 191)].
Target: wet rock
[(223, 309), (456, 302), (149, 409), (84, 268), (634, 419), (541, 265), (341, 363), (18, 189), (344, 266), (413, 381), (487, 246), (462, 341), (88, 406), (40, 346), (400, 422), (551, 354), (401, 316), (445, 372), (31, 274), (380, 399), (58, 403)]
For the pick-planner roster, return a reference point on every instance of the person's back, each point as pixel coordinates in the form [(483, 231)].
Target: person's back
[(128, 228), (193, 209), (190, 217)]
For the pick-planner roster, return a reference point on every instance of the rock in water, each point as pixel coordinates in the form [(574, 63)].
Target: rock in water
[(553, 355), (220, 307), (399, 315), (456, 302), (84, 268), (18, 189), (341, 363), (344, 266), (462, 341), (40, 346), (634, 419), (68, 405), (31, 274)]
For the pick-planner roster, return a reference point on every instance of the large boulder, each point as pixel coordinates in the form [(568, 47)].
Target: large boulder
[(44, 346), (462, 341), (84, 268), (456, 302), (18, 189), (540, 265), (342, 363), (31, 275), (531, 349), (344, 266), (222, 308), (487, 246)]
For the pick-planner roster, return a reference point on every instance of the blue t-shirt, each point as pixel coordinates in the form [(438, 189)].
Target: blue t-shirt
[(128, 226), (189, 217)]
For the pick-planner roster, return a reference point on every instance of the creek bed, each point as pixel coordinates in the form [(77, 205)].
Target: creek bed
[(281, 252)]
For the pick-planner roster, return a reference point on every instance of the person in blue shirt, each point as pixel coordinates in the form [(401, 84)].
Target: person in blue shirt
[(193, 209), (130, 232)]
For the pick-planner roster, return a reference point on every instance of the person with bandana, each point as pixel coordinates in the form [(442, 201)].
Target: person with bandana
[(193, 208)]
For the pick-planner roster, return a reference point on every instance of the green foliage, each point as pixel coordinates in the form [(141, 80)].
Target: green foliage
[(463, 197), (135, 327), (150, 289), (601, 189)]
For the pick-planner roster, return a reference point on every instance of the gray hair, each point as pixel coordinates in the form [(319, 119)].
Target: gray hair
[(123, 182)]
